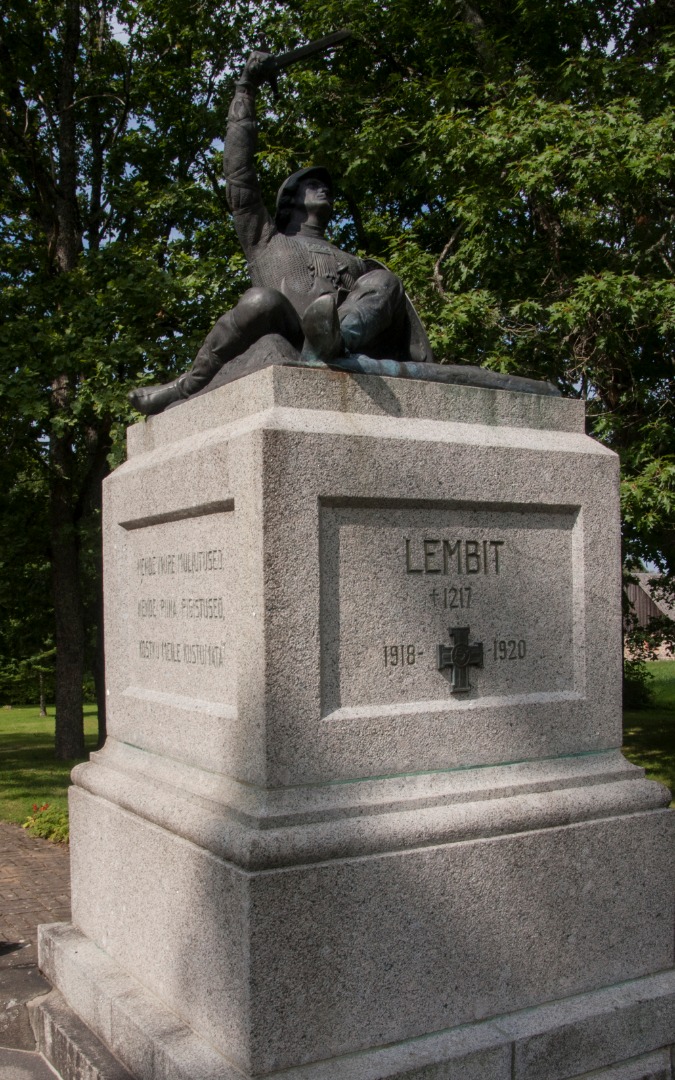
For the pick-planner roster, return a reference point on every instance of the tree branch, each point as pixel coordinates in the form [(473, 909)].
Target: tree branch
[(438, 279), (361, 234), (69, 238)]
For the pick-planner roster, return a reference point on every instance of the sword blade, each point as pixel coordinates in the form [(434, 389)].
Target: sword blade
[(321, 45)]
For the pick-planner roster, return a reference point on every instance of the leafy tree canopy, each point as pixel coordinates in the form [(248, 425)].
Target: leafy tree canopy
[(513, 161), (516, 164)]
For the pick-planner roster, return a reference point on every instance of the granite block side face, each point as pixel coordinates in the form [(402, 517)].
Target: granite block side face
[(280, 585), (489, 1064), (484, 1051), (139, 1025), (146, 1038), (648, 1067), (288, 966), (182, 1057), (389, 580), (70, 1046), (184, 604), (87, 977), (568, 1039), (406, 1063), (362, 792), (458, 934), (370, 818), (340, 392), (171, 916)]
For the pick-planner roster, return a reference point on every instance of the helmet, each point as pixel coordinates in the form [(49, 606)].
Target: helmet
[(289, 188)]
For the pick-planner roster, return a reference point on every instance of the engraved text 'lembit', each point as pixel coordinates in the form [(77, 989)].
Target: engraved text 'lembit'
[(433, 555)]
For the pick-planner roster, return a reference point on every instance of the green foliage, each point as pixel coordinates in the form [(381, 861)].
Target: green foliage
[(515, 163), (27, 679), (638, 692), (649, 734), (153, 264), (116, 254), (26, 627), (50, 824)]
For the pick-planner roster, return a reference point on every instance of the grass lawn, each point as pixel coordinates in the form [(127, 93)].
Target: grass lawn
[(649, 735), (29, 773)]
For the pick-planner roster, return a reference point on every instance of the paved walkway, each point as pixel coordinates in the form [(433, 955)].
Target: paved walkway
[(34, 888)]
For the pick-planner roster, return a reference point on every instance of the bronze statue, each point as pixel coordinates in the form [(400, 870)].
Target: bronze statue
[(324, 301)]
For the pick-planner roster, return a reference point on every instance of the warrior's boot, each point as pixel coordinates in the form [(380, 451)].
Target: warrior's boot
[(260, 311), (155, 399), (321, 327)]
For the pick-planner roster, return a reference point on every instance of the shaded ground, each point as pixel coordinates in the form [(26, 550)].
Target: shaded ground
[(34, 888)]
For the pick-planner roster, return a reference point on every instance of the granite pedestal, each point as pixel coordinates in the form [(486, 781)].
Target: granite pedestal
[(362, 811)]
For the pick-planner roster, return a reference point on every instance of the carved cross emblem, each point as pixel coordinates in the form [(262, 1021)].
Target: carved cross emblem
[(460, 656)]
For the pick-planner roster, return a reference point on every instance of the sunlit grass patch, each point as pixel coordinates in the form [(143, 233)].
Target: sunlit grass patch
[(29, 773)]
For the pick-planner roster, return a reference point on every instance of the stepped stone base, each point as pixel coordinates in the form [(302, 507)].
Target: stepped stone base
[(322, 842), (68, 1044), (619, 1033)]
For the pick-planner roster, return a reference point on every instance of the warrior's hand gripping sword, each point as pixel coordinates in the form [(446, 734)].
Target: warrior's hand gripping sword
[(275, 64)]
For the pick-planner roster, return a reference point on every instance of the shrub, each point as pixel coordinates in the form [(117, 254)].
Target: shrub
[(637, 690), (51, 824)]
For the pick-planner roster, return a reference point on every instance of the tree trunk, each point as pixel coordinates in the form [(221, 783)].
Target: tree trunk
[(69, 729), (98, 443), (99, 666), (69, 616), (43, 709)]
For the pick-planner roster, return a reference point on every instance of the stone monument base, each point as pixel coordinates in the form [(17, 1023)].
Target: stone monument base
[(621, 1033), (362, 813)]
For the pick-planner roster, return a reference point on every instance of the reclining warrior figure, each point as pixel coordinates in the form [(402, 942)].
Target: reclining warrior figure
[(324, 301)]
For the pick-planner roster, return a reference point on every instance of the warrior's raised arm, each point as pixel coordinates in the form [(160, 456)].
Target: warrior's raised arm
[(252, 220)]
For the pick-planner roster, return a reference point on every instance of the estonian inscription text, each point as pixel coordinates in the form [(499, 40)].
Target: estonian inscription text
[(197, 606), (181, 562), (178, 652), (186, 607)]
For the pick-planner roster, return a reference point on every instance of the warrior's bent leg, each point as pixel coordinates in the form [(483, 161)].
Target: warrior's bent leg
[(260, 311), (374, 307)]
